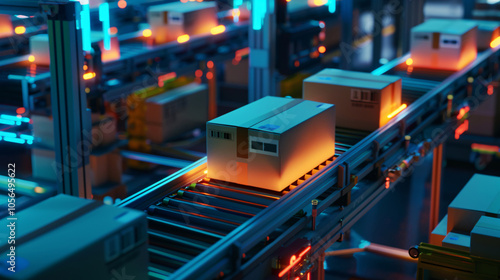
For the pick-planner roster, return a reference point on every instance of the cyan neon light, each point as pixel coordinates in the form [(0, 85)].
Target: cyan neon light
[(14, 118), (259, 9), (85, 20), (14, 140), (332, 7), (26, 137), (104, 18), (7, 122), (236, 6), (7, 134)]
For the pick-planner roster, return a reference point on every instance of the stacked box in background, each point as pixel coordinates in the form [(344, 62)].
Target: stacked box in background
[(444, 44), (84, 239), (485, 119), (487, 31), (169, 21), (271, 142), (6, 29), (363, 100), (176, 111)]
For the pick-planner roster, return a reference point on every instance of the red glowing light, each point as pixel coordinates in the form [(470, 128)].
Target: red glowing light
[(240, 53), (210, 64), (293, 261), (322, 49), (387, 182), (296, 63), (462, 112), (20, 110), (309, 276), (461, 129), (198, 73), (210, 75), (490, 89), (166, 77), (122, 4)]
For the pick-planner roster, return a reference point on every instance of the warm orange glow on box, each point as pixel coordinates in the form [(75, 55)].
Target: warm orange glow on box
[(495, 42), (31, 58), (113, 53), (321, 49), (409, 61), (20, 30), (5, 26), (147, 33), (88, 76), (218, 29), (183, 38), (397, 111), (236, 12)]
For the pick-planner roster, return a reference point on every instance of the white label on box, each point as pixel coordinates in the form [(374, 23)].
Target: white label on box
[(263, 146), (361, 95), (449, 41), (175, 18)]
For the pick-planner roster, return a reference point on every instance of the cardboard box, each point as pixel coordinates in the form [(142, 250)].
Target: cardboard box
[(6, 29), (105, 168), (479, 197), (39, 48), (485, 119), (103, 130), (271, 142), (485, 238), (176, 111), (439, 232), (363, 101), (444, 44), (114, 51), (457, 241), (487, 31), (84, 239), (169, 21)]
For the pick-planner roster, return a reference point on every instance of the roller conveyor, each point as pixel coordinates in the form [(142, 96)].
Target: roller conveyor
[(261, 215)]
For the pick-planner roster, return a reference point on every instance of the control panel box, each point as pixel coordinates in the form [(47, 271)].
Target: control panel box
[(176, 111), (444, 44), (271, 142), (363, 101), (169, 21), (65, 237), (480, 197)]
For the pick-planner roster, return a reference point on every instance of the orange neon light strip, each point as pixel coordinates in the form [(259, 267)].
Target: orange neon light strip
[(166, 77), (462, 112), (487, 148), (88, 76), (397, 111), (387, 182), (461, 129), (218, 29), (495, 42), (294, 261)]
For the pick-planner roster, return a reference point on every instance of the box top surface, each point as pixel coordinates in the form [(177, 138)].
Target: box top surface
[(292, 117), (488, 25), (487, 225), (176, 93), (481, 193), (271, 114), (457, 238), (181, 7), (351, 79), (445, 26)]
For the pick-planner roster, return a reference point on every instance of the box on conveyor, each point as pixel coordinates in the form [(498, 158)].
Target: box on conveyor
[(169, 21), (457, 241), (271, 142), (66, 237), (39, 48), (176, 111), (485, 238), (487, 31), (363, 101), (479, 197), (6, 29), (105, 168), (447, 44)]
